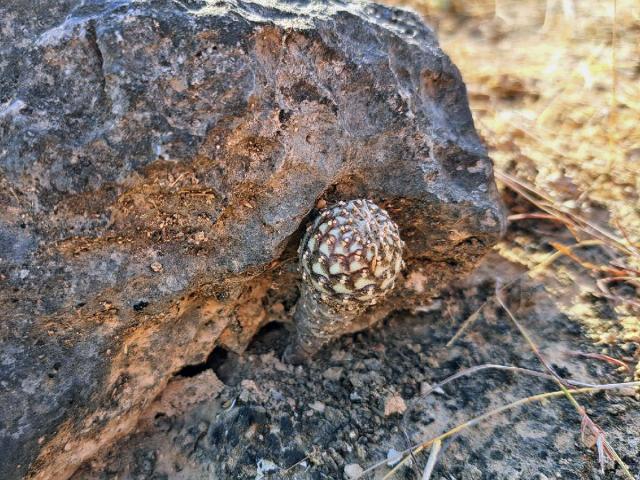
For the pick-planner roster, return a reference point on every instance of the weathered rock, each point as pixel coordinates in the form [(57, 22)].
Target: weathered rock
[(158, 163)]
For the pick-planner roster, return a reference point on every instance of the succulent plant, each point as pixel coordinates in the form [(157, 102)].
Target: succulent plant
[(349, 258)]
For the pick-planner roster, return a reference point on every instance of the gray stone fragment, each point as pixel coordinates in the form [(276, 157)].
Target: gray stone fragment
[(353, 471), (199, 136)]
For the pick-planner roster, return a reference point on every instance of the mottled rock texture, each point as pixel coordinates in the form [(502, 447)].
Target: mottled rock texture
[(159, 161)]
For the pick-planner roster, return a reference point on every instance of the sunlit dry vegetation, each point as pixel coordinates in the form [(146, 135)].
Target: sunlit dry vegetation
[(554, 86)]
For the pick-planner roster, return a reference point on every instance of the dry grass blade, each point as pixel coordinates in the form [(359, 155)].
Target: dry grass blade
[(602, 357), (526, 371), (531, 343), (548, 205), (433, 458), (413, 458), (566, 250), (613, 111), (541, 266), (468, 322), (603, 285), (537, 216), (288, 470), (475, 421), (605, 450), (624, 232)]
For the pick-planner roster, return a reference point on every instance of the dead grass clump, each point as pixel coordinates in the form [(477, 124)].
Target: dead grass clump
[(554, 88)]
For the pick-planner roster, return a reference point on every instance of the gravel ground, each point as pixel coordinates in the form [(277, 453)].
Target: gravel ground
[(253, 417)]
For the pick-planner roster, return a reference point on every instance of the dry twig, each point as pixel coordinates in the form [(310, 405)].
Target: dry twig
[(605, 450), (475, 421)]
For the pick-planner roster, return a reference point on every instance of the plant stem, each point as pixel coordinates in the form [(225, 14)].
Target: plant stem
[(562, 383), (474, 421)]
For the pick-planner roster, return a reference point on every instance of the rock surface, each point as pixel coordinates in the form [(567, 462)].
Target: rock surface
[(158, 163)]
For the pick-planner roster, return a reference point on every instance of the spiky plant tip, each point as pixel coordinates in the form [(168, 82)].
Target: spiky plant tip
[(351, 255), (349, 258)]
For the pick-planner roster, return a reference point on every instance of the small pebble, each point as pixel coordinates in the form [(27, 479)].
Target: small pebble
[(394, 404), (393, 457), (425, 388), (156, 266), (265, 468), (333, 373), (354, 397), (318, 406), (353, 471)]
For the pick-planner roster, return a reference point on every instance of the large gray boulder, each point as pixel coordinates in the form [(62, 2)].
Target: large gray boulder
[(159, 161)]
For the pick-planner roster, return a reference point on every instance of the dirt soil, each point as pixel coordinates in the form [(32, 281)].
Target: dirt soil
[(553, 114), (361, 399)]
